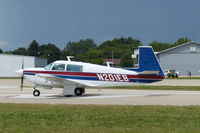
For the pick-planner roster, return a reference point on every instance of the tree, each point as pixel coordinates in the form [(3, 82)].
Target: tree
[(126, 60), (49, 51), (20, 51), (182, 41), (159, 46), (33, 48), (1, 51), (118, 47), (94, 56), (64, 54), (80, 47), (121, 42), (8, 52)]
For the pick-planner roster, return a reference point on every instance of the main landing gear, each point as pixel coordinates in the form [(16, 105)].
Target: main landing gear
[(36, 93), (79, 91), (69, 91)]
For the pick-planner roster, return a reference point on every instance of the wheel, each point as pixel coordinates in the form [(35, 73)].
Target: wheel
[(36, 93), (79, 91)]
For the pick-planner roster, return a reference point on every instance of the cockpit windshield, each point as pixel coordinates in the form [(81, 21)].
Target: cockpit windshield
[(48, 67), (58, 67)]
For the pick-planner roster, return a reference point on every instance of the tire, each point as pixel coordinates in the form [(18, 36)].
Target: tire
[(36, 93), (78, 91)]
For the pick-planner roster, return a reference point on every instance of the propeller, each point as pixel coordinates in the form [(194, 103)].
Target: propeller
[(22, 77)]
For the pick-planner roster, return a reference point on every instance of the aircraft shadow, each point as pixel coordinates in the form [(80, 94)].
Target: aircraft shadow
[(66, 97)]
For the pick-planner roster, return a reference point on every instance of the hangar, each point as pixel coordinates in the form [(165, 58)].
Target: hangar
[(10, 63), (183, 58)]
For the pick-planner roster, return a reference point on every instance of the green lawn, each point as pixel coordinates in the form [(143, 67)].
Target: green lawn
[(32, 118), (149, 87), (10, 77)]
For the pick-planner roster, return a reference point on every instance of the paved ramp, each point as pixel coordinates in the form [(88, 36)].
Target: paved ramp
[(104, 97), (10, 93)]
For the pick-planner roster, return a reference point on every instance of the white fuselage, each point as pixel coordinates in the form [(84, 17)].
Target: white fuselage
[(91, 75)]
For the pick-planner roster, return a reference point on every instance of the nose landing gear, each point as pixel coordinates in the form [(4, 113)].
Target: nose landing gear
[(36, 93)]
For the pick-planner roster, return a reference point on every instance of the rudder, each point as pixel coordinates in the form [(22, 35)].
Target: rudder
[(148, 60)]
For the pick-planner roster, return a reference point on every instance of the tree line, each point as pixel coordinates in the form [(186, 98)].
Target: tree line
[(88, 51)]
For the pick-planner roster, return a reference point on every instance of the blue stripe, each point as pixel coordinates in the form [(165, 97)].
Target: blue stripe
[(144, 80), (29, 73), (77, 77)]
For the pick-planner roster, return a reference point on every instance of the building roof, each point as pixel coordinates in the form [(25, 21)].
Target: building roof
[(23, 56), (115, 61), (17, 55), (166, 50)]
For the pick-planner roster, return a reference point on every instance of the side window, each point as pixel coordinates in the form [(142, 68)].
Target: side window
[(58, 67), (74, 68)]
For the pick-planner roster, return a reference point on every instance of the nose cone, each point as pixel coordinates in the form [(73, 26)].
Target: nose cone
[(19, 72)]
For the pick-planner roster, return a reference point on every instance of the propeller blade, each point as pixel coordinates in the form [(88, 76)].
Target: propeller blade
[(22, 82), (22, 77), (22, 63)]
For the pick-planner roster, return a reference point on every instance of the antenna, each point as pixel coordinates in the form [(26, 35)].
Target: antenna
[(22, 77), (69, 58), (108, 63)]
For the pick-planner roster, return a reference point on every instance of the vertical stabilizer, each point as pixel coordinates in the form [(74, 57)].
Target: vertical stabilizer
[(148, 61)]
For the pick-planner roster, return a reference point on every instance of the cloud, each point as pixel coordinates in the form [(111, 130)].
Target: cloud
[(3, 43)]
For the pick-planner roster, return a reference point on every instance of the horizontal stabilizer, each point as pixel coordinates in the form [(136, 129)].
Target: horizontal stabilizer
[(149, 73)]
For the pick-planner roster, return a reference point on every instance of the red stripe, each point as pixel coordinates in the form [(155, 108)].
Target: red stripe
[(64, 73), (145, 77), (93, 74)]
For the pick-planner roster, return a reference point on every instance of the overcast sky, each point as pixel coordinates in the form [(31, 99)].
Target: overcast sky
[(61, 21)]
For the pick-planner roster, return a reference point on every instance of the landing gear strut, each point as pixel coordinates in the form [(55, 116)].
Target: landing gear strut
[(70, 90), (36, 93)]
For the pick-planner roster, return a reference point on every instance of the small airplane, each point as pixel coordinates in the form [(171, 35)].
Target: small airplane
[(75, 76)]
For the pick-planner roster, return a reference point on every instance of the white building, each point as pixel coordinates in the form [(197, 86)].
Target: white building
[(183, 58), (10, 63)]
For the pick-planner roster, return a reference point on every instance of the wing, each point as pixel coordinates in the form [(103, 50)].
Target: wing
[(60, 80)]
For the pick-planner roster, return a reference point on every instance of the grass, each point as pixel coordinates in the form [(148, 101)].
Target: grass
[(32, 118), (10, 77), (150, 87)]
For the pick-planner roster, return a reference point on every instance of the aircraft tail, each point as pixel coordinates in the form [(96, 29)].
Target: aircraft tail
[(148, 62)]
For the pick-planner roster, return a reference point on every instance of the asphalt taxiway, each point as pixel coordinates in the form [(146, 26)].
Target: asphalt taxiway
[(10, 93)]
